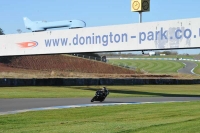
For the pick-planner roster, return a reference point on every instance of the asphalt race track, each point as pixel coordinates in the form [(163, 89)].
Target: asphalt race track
[(10, 106), (188, 69)]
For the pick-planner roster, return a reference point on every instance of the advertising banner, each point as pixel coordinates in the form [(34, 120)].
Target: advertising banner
[(173, 34)]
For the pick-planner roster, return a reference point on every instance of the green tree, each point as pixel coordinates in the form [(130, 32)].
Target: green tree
[(1, 32)]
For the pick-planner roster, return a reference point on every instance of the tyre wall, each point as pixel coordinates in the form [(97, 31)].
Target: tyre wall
[(87, 81)]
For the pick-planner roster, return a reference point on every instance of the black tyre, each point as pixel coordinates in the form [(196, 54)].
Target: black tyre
[(92, 100)]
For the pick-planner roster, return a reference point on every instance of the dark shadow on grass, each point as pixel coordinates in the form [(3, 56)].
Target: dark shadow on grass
[(140, 92)]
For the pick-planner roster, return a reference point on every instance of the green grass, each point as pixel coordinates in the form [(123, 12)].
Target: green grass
[(167, 56), (89, 91), (197, 69), (168, 117), (146, 118), (151, 66)]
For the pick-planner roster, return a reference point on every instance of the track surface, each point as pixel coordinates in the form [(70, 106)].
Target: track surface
[(22, 104), (188, 69)]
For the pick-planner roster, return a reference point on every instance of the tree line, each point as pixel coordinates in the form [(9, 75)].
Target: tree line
[(1, 32)]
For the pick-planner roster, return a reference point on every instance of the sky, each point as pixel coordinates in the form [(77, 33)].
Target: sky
[(93, 12)]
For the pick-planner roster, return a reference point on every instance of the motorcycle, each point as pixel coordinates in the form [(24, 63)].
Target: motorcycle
[(100, 96)]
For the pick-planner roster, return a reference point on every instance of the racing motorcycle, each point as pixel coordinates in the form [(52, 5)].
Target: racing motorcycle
[(100, 95)]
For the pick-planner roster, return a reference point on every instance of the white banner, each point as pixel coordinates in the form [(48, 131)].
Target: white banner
[(173, 34)]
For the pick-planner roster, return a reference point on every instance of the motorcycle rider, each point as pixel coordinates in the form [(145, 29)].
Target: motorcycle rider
[(105, 91), (100, 95)]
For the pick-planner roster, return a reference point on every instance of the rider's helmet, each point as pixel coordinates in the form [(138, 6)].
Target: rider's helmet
[(104, 88)]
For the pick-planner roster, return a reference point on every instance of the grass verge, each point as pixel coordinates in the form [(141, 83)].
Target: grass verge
[(197, 69), (88, 91), (181, 117), (152, 66)]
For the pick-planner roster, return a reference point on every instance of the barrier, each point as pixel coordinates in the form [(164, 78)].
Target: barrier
[(9, 82)]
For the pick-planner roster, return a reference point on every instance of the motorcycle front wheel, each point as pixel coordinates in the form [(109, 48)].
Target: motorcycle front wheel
[(92, 100)]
